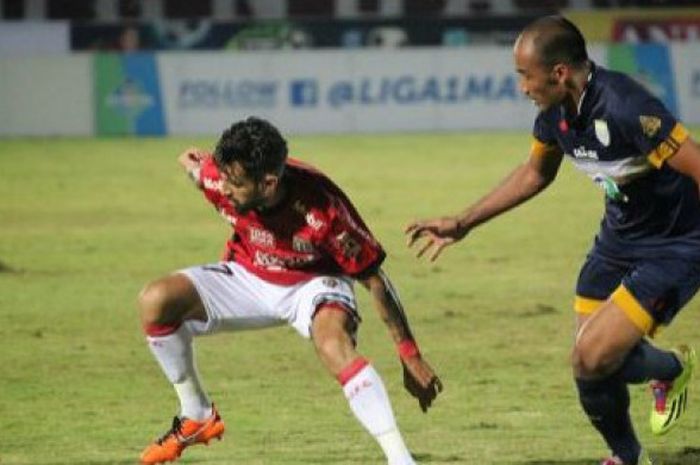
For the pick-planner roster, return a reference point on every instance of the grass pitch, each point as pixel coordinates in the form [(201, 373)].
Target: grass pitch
[(85, 223)]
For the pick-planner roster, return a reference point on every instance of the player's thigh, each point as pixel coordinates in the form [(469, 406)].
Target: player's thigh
[(233, 298), (170, 300), (330, 293), (604, 340)]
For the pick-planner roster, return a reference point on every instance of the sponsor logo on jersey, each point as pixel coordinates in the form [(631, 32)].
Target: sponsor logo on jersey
[(262, 237), (348, 245), (300, 244), (330, 282), (276, 262), (602, 132), (315, 223), (582, 152), (650, 125), (213, 184)]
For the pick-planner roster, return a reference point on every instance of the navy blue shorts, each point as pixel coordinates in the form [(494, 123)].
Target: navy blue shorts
[(651, 291)]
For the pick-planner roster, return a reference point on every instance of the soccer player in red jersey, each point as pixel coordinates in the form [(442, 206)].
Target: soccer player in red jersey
[(298, 244)]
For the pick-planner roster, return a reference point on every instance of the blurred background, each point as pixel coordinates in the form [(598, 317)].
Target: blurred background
[(179, 67)]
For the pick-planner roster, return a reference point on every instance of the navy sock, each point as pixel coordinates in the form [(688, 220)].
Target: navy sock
[(606, 402), (646, 362)]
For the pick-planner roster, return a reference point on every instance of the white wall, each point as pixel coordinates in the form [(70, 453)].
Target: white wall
[(50, 95), (24, 38)]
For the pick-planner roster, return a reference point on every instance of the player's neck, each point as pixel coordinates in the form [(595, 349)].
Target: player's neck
[(579, 85)]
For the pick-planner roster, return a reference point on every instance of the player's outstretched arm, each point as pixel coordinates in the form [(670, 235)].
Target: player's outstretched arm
[(191, 160), (524, 182), (419, 378)]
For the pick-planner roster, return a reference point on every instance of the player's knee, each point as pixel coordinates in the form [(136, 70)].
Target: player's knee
[(588, 363), (154, 300)]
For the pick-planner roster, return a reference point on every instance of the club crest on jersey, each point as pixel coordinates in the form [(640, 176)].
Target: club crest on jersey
[(348, 245), (262, 237), (602, 132), (650, 125), (300, 244)]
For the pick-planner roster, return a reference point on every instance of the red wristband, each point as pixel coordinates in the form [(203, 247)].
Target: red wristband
[(407, 348)]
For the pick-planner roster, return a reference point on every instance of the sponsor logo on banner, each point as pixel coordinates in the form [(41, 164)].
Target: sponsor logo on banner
[(215, 93), (406, 90), (656, 30), (128, 96), (303, 93)]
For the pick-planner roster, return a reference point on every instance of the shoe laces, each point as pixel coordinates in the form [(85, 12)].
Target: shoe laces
[(660, 390), (173, 431)]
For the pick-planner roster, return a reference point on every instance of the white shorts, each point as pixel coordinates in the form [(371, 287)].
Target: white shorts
[(236, 299)]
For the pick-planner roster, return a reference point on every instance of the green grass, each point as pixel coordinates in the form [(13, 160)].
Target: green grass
[(85, 223)]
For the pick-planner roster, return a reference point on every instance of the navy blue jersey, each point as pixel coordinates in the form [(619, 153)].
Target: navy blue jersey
[(621, 138)]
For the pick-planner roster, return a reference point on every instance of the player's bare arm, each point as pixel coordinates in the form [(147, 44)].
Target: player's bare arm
[(687, 160), (419, 378), (191, 160), (526, 181)]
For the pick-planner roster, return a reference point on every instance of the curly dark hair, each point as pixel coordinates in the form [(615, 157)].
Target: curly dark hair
[(254, 143), (558, 40)]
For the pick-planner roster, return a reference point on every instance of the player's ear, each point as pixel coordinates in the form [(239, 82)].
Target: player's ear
[(269, 183), (560, 72)]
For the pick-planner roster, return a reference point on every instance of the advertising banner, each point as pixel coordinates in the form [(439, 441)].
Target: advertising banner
[(649, 64), (660, 30), (127, 95), (686, 63), (345, 91)]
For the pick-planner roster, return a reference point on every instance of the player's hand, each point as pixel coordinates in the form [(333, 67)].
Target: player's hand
[(191, 158), (438, 232), (420, 380)]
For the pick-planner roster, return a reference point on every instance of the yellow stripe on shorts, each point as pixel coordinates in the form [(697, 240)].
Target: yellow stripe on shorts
[(586, 306), (633, 309)]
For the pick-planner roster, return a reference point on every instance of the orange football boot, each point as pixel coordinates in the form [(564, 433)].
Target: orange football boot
[(183, 433)]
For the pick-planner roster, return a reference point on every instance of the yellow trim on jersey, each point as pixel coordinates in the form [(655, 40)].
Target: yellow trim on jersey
[(586, 306), (540, 149), (633, 309), (669, 146)]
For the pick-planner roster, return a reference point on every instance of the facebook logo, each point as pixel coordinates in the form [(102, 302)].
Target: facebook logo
[(303, 93)]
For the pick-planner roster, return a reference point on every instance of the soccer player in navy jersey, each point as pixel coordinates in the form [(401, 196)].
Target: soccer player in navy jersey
[(298, 244), (644, 264)]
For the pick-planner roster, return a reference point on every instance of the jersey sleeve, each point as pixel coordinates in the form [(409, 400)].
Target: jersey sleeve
[(349, 241), (651, 128), (210, 181), (544, 141)]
